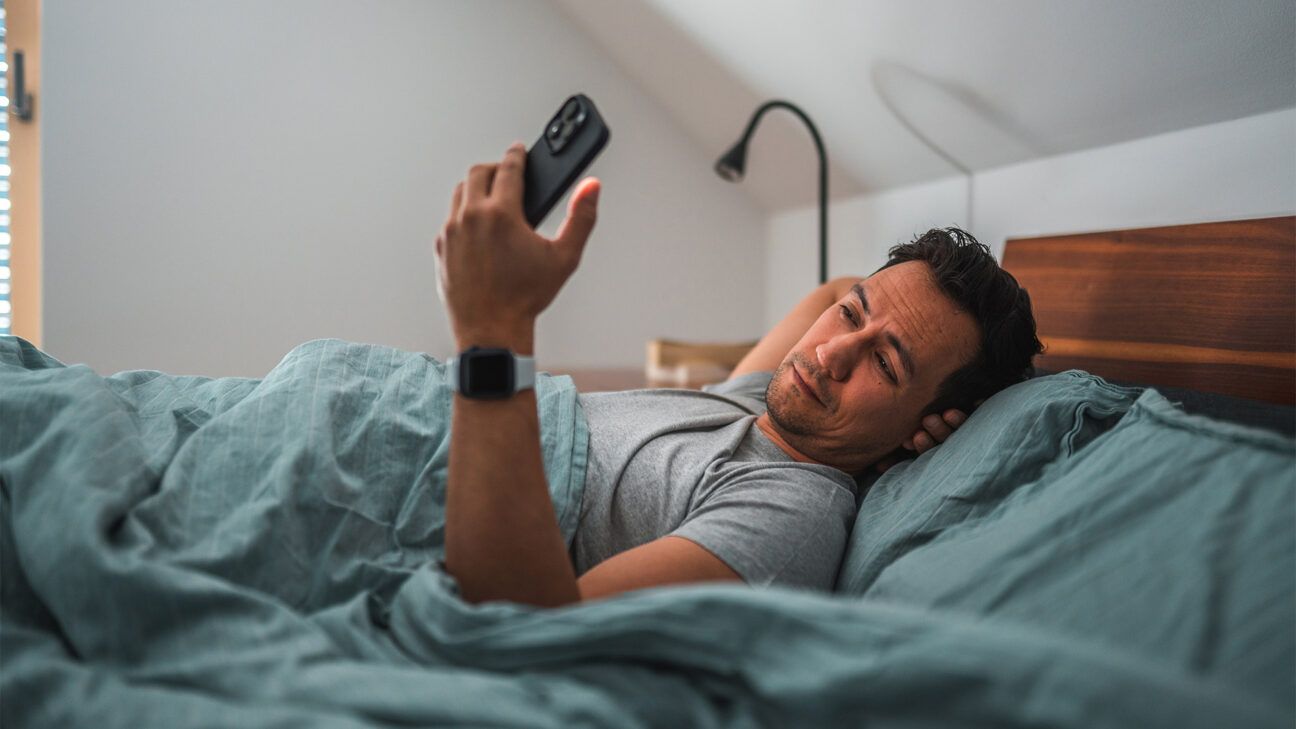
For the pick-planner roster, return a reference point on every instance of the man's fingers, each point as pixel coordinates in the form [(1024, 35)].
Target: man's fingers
[(440, 281), (456, 200), (507, 187), (936, 428), (478, 183), (923, 442), (582, 213)]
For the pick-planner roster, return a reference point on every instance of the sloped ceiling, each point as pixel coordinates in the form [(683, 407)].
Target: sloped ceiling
[(992, 83)]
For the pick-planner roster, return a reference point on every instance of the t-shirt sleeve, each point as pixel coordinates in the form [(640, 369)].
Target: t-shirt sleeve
[(775, 524)]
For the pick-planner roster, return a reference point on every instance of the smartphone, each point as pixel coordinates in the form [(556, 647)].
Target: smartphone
[(569, 143)]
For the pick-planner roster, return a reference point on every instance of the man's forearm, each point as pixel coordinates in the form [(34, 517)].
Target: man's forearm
[(502, 538)]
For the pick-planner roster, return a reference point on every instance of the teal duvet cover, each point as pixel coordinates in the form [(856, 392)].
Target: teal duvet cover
[(182, 551)]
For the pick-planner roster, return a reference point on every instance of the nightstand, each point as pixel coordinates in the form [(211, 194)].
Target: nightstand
[(670, 363)]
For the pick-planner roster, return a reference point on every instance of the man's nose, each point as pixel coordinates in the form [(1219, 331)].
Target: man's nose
[(839, 355)]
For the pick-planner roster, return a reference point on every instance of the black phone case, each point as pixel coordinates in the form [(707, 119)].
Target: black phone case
[(556, 161)]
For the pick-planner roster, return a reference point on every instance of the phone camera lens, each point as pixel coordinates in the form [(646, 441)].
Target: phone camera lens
[(554, 131)]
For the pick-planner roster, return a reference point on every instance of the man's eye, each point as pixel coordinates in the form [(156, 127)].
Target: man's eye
[(846, 312), (886, 367)]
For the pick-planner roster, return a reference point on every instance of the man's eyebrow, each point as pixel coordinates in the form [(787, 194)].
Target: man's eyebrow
[(906, 359), (858, 290)]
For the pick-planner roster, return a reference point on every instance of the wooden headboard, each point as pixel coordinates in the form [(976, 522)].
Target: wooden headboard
[(1209, 307)]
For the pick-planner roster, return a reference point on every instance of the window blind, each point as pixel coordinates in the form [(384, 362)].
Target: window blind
[(6, 307)]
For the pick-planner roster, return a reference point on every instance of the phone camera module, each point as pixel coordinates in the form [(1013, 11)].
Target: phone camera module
[(565, 125), (557, 135)]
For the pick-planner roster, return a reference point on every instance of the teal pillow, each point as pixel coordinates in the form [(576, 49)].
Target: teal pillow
[(1169, 536), (1010, 440)]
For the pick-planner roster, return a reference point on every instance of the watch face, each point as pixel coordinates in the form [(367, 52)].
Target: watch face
[(488, 373)]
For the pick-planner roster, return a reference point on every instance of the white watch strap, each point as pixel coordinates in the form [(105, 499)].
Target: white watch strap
[(452, 373), (523, 372)]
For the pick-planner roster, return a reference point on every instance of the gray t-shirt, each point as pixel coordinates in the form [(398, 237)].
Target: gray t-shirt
[(694, 465)]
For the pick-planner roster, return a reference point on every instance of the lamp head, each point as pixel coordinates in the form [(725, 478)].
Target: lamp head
[(732, 164)]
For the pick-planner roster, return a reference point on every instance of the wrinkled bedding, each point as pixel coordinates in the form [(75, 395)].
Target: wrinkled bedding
[(182, 551)]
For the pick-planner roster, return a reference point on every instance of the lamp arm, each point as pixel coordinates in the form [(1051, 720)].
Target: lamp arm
[(823, 172)]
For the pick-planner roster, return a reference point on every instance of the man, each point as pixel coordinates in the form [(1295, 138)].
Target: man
[(695, 487)]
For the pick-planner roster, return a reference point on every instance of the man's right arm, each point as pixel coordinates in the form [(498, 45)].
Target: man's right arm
[(768, 354)]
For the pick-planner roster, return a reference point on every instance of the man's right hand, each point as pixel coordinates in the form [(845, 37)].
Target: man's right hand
[(497, 273)]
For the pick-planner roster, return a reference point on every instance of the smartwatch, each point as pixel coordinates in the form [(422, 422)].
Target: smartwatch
[(487, 373)]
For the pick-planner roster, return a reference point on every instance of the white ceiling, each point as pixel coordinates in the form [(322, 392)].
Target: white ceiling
[(991, 82)]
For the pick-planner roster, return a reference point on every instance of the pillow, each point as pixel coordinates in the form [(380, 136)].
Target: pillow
[(1255, 413), (1010, 440), (1169, 536)]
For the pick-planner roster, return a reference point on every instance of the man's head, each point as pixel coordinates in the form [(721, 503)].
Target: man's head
[(939, 326)]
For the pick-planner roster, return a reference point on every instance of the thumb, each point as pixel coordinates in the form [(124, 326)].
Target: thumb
[(582, 212)]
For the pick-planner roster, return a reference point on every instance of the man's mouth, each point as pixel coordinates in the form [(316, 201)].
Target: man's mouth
[(806, 386)]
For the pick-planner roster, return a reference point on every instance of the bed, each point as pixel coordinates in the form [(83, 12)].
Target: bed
[(180, 551)]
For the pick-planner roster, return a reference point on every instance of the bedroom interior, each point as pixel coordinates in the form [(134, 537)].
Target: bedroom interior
[(243, 196)]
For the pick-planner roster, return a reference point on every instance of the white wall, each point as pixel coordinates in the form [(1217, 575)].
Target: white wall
[(1233, 170), (223, 181)]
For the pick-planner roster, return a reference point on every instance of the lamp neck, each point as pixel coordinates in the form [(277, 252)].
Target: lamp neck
[(823, 171), (781, 104)]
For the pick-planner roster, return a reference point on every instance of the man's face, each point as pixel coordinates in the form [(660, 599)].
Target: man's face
[(854, 388)]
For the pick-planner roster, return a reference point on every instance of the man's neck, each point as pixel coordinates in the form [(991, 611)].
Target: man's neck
[(771, 430)]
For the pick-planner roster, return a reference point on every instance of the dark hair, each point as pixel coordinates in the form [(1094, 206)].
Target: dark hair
[(966, 272)]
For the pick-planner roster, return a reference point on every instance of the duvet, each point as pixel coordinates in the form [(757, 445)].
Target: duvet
[(183, 551)]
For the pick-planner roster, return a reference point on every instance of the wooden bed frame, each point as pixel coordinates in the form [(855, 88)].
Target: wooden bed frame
[(1210, 306)]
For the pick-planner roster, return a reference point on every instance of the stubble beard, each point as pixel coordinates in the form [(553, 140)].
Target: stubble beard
[(780, 402), (788, 410)]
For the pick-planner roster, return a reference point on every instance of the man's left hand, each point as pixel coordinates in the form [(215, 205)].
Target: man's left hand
[(935, 429), (497, 274)]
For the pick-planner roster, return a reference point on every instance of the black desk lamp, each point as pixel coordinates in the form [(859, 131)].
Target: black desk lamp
[(731, 165)]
